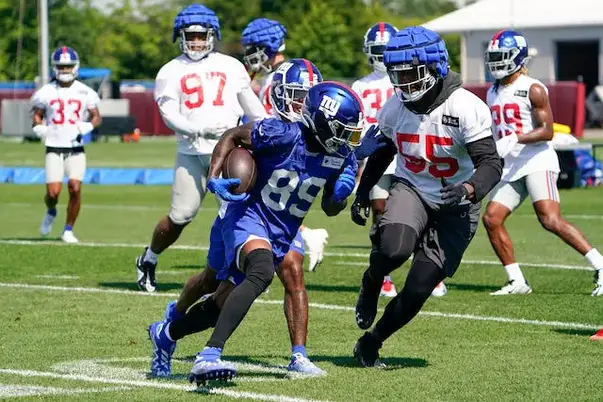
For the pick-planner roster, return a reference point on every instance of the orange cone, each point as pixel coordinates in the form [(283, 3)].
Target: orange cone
[(598, 336)]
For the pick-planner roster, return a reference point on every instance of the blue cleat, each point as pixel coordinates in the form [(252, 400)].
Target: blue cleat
[(209, 367), (171, 314), (300, 364), (163, 349)]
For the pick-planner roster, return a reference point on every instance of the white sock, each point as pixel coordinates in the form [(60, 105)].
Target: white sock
[(150, 256), (594, 258), (514, 273)]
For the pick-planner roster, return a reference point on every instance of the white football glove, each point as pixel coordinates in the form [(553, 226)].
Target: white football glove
[(506, 144), (41, 131), (84, 127)]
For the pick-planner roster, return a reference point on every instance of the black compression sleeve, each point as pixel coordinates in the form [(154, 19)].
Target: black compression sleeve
[(375, 166), (488, 166)]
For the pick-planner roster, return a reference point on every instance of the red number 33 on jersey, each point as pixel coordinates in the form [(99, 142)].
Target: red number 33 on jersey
[(191, 86)]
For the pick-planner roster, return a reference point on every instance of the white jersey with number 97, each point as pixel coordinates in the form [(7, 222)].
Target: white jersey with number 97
[(206, 92), (432, 147)]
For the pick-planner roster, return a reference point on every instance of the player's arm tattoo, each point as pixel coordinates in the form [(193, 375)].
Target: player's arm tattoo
[(543, 116), (232, 138), (37, 116), (95, 117)]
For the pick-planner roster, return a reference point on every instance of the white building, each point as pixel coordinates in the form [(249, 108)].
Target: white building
[(565, 35)]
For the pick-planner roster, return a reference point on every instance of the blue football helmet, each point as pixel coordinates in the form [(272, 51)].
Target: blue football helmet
[(291, 82), (507, 52), (262, 39), (415, 58), (198, 28), (334, 113), (375, 39), (65, 64)]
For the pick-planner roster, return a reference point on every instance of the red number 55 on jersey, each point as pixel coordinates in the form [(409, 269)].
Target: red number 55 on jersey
[(438, 166)]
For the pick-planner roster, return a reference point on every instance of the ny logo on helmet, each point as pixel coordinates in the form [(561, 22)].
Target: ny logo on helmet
[(329, 106)]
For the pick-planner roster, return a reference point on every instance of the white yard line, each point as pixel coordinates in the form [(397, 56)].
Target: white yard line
[(154, 384), (508, 320), (68, 277), (328, 253), (15, 391)]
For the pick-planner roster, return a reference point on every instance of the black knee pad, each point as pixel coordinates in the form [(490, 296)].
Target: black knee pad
[(397, 242), (423, 276), (259, 268)]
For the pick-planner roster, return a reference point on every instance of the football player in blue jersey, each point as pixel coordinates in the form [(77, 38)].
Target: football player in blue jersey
[(291, 82), (295, 161)]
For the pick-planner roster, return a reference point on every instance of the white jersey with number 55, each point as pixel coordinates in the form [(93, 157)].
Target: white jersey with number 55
[(63, 108), (207, 96), (433, 146)]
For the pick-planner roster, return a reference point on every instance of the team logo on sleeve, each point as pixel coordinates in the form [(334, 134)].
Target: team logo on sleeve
[(329, 106), (521, 92), (450, 121)]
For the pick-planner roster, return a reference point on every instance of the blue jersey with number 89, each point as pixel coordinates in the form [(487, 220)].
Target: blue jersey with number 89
[(289, 176)]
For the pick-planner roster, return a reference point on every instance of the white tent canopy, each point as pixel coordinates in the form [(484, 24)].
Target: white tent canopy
[(520, 14)]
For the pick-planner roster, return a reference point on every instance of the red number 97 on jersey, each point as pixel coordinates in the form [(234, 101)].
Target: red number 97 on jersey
[(190, 85)]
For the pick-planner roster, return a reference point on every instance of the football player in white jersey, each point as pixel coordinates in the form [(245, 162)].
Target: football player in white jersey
[(374, 90), (447, 163), (263, 41), (63, 111), (200, 94), (523, 127)]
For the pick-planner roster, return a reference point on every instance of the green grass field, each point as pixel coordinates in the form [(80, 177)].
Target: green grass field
[(74, 328)]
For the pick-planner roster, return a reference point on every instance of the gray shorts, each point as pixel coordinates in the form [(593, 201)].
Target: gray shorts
[(189, 187), (444, 234)]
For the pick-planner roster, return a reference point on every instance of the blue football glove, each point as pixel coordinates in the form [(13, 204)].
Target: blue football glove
[(221, 187), (344, 185), (372, 141)]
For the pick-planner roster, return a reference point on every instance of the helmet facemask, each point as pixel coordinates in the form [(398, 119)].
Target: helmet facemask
[(374, 53), (256, 59), (501, 62), (288, 100), (410, 81), (196, 41), (333, 135), (64, 72)]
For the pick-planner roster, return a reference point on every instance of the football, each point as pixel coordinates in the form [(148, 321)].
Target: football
[(240, 164)]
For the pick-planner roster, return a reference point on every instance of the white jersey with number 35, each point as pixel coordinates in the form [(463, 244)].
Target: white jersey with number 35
[(512, 113), (63, 108), (206, 92), (433, 146), (374, 90)]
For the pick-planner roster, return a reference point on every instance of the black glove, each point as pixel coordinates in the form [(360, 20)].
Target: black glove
[(359, 207), (453, 194)]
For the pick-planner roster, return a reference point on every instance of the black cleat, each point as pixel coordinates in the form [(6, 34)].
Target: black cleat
[(146, 273), (366, 351), (366, 306), (205, 379)]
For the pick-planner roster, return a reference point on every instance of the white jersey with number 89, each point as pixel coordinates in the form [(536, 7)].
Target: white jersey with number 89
[(512, 113), (432, 147)]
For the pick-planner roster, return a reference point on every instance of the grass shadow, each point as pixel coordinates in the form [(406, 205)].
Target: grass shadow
[(188, 266), (162, 287), (34, 239), (574, 331), (392, 363), (333, 288), (472, 287)]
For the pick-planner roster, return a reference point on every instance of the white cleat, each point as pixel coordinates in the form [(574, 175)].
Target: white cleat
[(69, 237), (388, 289), (46, 225), (440, 290), (513, 288), (316, 240), (598, 290)]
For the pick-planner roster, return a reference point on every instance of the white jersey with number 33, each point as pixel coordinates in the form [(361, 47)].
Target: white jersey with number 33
[(374, 90), (512, 113), (206, 92), (433, 146), (63, 108)]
